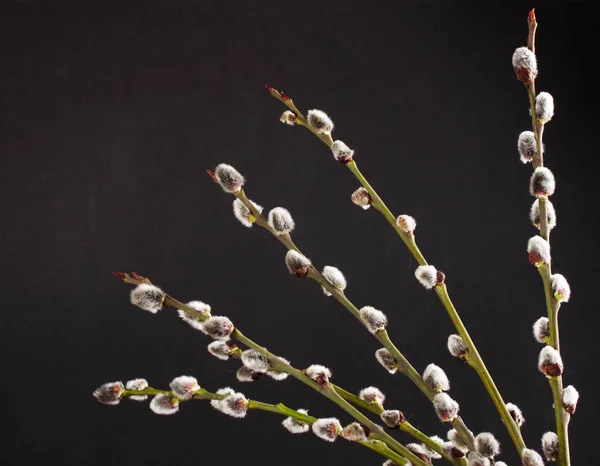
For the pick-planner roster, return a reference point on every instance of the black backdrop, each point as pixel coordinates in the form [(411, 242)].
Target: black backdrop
[(112, 111)]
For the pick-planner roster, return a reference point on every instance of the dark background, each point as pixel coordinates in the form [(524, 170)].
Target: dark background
[(112, 111)]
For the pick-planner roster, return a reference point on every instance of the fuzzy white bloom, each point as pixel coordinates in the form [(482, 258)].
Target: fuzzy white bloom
[(147, 297), (164, 404), (385, 358), (515, 413), (327, 428), (475, 459), (245, 374), (434, 455), (445, 407), (427, 276), (534, 214), (544, 107), (354, 432), (499, 463), (374, 319), (334, 277), (531, 458), (452, 450), (229, 178), (220, 349), (184, 387), (192, 321), (527, 146), (542, 183), (406, 223), (110, 393), (457, 440), (570, 397), (457, 347), (288, 117), (296, 263), (243, 214), (318, 373), (362, 198), (436, 379), (420, 451), (218, 327), (560, 288), (392, 418), (541, 330), (539, 251), (320, 121), (221, 391), (276, 375), (372, 395), (550, 446), (525, 64), (235, 405), (550, 362), (341, 152), (254, 360), (280, 220), (137, 384), (295, 426), (486, 444)]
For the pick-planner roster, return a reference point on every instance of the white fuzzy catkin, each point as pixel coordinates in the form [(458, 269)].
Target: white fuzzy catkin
[(374, 319), (434, 455), (147, 297), (445, 407), (515, 413), (385, 358), (527, 146), (318, 373), (541, 330), (137, 384), (436, 379), (254, 360), (542, 182), (486, 444), (427, 276), (550, 446), (531, 458), (550, 362), (243, 214), (475, 459), (420, 451), (245, 374), (372, 395), (218, 327), (457, 440), (276, 375), (327, 428), (525, 64), (534, 214), (235, 405), (110, 393), (362, 198), (341, 152), (457, 347), (294, 426), (280, 220), (184, 387), (406, 223), (288, 117), (560, 288), (296, 263), (221, 391), (220, 349), (229, 178), (544, 107), (164, 404), (199, 306), (500, 463), (392, 418), (320, 121), (354, 432), (570, 397), (334, 277), (539, 251)]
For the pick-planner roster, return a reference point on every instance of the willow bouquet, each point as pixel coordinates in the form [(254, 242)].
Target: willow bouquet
[(373, 421)]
